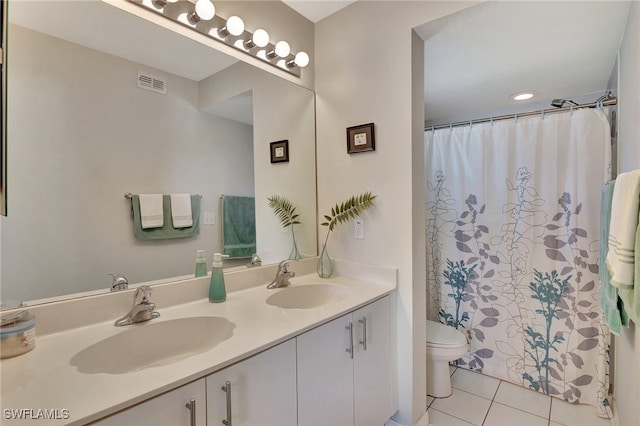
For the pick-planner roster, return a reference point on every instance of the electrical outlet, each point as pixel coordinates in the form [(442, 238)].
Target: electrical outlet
[(359, 229), (209, 218)]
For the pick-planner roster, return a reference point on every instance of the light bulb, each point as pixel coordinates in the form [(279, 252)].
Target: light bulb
[(235, 25), (205, 9), (302, 59), (260, 38), (282, 49), (523, 96)]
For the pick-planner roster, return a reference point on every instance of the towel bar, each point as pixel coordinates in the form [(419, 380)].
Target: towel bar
[(128, 195)]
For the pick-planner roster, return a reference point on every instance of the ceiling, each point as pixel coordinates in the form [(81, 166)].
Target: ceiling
[(477, 58), (474, 59), (98, 25), (317, 10)]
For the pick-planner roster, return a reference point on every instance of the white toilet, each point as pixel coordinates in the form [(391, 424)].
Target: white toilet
[(444, 344)]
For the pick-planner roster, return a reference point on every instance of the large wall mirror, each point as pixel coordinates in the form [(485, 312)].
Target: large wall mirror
[(81, 134)]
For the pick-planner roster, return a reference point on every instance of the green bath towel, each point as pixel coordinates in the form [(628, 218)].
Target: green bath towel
[(238, 226), (167, 231)]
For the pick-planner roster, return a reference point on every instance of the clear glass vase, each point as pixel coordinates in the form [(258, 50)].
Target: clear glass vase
[(325, 265), (295, 254)]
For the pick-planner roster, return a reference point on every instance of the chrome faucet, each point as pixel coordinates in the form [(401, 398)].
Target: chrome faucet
[(282, 276), (120, 282), (142, 310), (255, 261)]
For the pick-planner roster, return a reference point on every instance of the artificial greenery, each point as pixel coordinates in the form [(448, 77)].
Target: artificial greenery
[(285, 211), (350, 209), (288, 216)]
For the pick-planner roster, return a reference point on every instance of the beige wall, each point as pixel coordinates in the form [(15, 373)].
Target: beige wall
[(81, 134), (365, 72), (627, 361)]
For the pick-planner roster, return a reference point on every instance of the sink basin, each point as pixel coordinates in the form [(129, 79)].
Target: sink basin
[(308, 296), (151, 344)]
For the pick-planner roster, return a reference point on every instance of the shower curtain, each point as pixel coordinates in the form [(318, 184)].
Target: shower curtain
[(512, 228)]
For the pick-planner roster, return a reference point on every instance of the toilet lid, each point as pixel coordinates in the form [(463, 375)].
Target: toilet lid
[(444, 335)]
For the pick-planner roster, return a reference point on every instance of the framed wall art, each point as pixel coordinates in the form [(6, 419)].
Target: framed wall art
[(280, 151), (360, 138)]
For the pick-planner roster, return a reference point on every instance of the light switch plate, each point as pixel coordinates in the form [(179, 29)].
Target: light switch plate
[(359, 229), (209, 218)]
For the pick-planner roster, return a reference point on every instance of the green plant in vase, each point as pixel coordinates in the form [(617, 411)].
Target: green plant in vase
[(340, 213), (288, 216)]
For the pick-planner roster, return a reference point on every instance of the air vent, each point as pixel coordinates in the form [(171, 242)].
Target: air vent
[(151, 82)]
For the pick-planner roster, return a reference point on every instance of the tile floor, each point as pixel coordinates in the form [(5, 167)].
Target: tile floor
[(485, 401)]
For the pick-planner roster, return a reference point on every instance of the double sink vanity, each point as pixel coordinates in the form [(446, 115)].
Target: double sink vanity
[(317, 351)]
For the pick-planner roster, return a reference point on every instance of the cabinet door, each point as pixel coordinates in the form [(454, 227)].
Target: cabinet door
[(372, 375), (263, 389), (166, 409), (325, 375)]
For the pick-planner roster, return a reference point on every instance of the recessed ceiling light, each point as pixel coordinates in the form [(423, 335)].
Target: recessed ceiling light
[(523, 96)]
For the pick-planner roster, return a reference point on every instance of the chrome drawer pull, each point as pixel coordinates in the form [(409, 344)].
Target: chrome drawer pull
[(350, 348), (227, 389)]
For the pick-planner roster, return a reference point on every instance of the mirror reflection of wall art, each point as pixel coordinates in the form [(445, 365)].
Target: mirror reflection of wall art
[(360, 138), (280, 151)]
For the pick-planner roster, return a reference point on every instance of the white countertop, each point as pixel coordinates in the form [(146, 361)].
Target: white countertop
[(45, 379)]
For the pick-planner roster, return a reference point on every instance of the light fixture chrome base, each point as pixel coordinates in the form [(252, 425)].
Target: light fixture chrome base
[(215, 29)]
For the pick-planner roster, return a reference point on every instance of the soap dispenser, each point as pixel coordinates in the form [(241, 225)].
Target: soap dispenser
[(217, 291), (201, 264)]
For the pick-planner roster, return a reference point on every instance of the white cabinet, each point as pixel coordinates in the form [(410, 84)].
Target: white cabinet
[(167, 409), (344, 369), (337, 374), (372, 369), (262, 390), (325, 375)]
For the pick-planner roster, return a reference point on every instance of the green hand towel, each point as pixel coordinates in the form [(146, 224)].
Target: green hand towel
[(167, 231), (238, 226)]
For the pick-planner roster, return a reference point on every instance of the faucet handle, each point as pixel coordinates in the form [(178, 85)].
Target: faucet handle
[(283, 266), (142, 294), (120, 282)]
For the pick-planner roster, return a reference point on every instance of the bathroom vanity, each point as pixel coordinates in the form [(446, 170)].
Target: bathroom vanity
[(246, 361)]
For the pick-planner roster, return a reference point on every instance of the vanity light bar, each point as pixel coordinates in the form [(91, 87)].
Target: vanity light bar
[(200, 16)]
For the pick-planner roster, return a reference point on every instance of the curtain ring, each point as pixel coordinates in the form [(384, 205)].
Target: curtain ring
[(542, 114), (572, 109), (492, 121), (515, 116), (451, 127), (470, 123)]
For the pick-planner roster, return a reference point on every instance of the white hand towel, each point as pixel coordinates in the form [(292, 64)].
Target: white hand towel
[(181, 210), (622, 229), (151, 215)]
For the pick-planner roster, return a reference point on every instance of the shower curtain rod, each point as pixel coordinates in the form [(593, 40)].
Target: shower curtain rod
[(606, 102)]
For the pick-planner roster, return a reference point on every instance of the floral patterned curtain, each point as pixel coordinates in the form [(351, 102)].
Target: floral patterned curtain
[(512, 234)]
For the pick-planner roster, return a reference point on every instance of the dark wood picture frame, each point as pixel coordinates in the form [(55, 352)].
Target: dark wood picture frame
[(361, 138), (280, 151)]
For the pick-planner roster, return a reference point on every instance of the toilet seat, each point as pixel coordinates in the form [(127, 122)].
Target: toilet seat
[(440, 335)]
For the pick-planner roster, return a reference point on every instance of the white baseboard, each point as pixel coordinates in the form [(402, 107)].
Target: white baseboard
[(614, 420)]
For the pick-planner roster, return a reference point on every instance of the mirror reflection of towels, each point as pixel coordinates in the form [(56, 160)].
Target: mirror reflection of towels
[(181, 210), (151, 211), (167, 231), (238, 226)]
